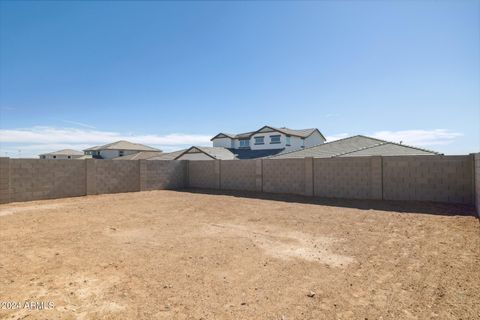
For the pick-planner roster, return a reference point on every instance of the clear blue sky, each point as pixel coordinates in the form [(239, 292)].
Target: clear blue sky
[(171, 74)]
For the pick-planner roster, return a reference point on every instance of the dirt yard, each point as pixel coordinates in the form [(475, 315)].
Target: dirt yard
[(187, 255)]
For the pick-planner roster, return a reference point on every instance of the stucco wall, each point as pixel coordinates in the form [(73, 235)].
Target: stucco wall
[(60, 157), (223, 142), (35, 179), (428, 178), (110, 154), (238, 175), (313, 140)]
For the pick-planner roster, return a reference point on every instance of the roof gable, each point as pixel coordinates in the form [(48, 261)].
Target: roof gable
[(302, 133), (212, 152)]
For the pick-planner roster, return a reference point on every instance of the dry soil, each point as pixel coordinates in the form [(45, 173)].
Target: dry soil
[(188, 255)]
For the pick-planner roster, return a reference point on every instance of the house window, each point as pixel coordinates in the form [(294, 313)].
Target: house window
[(54, 157), (287, 141), (274, 139), (259, 140), (244, 143), (303, 142), (120, 153), (69, 157)]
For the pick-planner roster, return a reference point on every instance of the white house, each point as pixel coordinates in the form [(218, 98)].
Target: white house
[(117, 149), (268, 141)]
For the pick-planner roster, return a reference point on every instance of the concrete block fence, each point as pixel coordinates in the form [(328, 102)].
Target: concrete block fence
[(451, 179), (37, 179)]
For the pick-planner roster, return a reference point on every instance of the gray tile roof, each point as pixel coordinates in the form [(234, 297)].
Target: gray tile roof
[(355, 146), (242, 154), (142, 155), (64, 152), (214, 152), (123, 145), (168, 155)]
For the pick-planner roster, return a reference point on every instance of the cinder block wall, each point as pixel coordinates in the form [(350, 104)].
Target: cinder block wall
[(477, 182), (419, 178), (162, 174), (204, 174), (4, 180), (117, 176), (354, 178), (238, 175), (284, 176), (34, 179), (429, 178), (454, 179)]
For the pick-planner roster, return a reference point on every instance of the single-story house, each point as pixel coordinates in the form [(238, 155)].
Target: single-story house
[(117, 149), (267, 141), (356, 146), (62, 154)]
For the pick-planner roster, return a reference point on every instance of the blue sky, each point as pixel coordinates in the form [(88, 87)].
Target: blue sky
[(173, 74)]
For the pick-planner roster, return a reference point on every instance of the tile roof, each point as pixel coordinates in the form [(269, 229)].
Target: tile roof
[(64, 152), (123, 145), (355, 146), (214, 152), (168, 155), (142, 155), (254, 154)]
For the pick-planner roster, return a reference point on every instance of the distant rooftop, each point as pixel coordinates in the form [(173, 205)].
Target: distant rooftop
[(356, 146), (123, 145), (168, 155), (142, 155), (64, 152), (213, 152), (302, 133)]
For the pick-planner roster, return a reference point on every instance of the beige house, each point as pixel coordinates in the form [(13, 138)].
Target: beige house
[(64, 154), (118, 149)]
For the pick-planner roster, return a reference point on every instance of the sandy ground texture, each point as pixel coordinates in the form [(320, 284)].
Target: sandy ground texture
[(188, 255)]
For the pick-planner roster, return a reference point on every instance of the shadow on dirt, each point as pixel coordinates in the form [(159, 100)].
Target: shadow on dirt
[(435, 208)]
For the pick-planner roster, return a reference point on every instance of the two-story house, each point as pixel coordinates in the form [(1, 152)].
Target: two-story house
[(268, 141)]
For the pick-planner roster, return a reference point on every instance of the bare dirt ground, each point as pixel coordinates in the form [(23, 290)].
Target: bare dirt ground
[(186, 255)]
